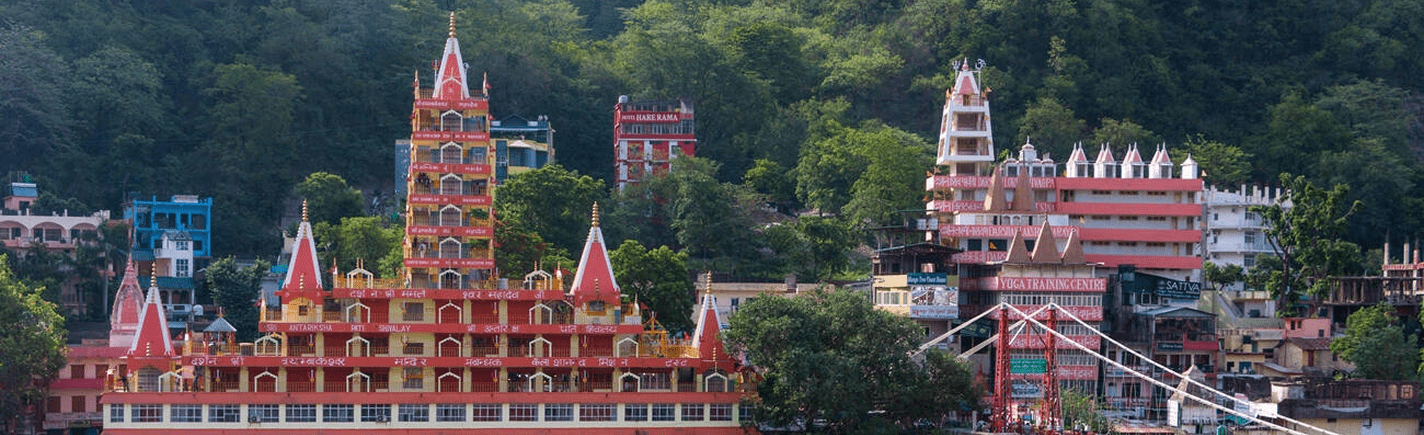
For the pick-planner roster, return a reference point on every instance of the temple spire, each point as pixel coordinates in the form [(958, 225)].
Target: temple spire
[(452, 24)]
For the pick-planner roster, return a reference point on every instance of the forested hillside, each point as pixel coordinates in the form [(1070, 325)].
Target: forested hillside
[(825, 104)]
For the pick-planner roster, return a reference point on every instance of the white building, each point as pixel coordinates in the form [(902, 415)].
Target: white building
[(1235, 234)]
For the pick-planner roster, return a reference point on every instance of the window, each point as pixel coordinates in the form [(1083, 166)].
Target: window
[(146, 413), (975, 244), (487, 412), (598, 412), (664, 412), (264, 413), (186, 413), (414, 412), (523, 412), (301, 413), (375, 413), (744, 413), (116, 413), (998, 244), (76, 371), (224, 413), (559, 412), (414, 312), (692, 412), (635, 412), (1250, 237), (1132, 390), (52, 404), (338, 413), (414, 349), (77, 404), (414, 376), (450, 412), (1127, 218), (719, 412), (1249, 261), (182, 268), (182, 245)]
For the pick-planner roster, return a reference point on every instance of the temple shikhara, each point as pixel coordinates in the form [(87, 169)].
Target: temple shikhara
[(445, 346)]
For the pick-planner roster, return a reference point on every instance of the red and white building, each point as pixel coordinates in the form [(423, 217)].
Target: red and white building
[(1144, 213), (1031, 231), (442, 349), (648, 135)]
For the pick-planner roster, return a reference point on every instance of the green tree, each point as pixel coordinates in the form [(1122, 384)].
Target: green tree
[(1222, 276), (552, 202), (816, 248), (660, 279), (1221, 164), (33, 339), (368, 239), (328, 198), (1375, 342), (1051, 126), (34, 120), (519, 250), (1307, 239), (1080, 410), (828, 356), (1124, 133), (1296, 135), (235, 290), (769, 178)]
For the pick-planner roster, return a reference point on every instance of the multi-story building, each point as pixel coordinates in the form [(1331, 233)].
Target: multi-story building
[(521, 145), (1143, 213), (648, 135), (56, 232), (1135, 214), (73, 402), (443, 348), (172, 239), (1234, 233)]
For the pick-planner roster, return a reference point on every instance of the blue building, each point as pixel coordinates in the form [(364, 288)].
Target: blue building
[(521, 145), (172, 239)]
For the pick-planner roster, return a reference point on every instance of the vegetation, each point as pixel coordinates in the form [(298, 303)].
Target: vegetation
[(1307, 238), (235, 290), (1376, 343), (33, 339), (657, 278), (830, 360)]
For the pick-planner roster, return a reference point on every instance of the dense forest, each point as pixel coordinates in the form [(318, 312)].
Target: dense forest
[(826, 105)]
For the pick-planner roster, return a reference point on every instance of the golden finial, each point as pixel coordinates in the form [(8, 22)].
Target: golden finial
[(304, 210), (595, 214), (452, 24), (708, 289), (153, 275)]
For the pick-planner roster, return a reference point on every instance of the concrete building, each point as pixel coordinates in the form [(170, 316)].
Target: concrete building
[(521, 145), (648, 135), (172, 239), (1234, 233), (55, 232)]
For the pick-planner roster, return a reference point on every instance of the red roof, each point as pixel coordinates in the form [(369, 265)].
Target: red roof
[(595, 271), (708, 337), (128, 302), (450, 82), (303, 273), (152, 339)]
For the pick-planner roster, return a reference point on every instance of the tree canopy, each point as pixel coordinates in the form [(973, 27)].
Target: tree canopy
[(235, 289), (829, 357), (1375, 342), (1307, 238), (33, 339)]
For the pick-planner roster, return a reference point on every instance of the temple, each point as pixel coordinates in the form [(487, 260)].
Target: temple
[(444, 345)]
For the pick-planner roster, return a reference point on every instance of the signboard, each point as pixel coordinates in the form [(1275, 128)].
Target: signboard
[(1028, 365), (1026, 390), (977, 330), (1160, 286), (650, 117), (926, 279), (1169, 346), (1009, 283), (933, 302)]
